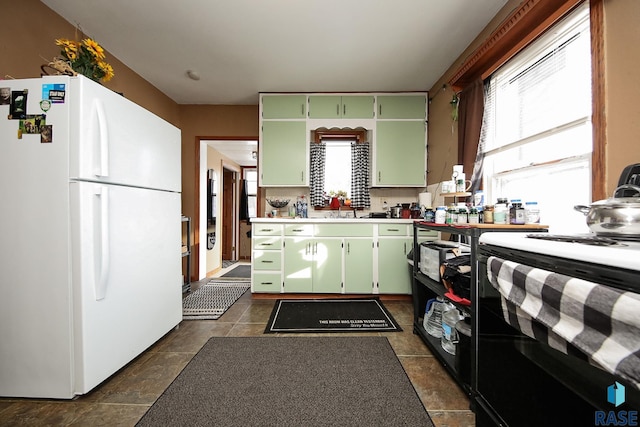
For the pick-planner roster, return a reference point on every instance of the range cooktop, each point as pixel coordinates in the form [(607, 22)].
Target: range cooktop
[(588, 247)]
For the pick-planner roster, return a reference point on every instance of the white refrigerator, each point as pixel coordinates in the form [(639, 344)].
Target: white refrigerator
[(90, 226)]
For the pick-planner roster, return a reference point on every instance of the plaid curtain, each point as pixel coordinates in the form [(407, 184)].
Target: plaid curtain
[(360, 175), (316, 174)]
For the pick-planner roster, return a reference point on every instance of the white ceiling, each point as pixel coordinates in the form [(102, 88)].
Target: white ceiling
[(240, 48)]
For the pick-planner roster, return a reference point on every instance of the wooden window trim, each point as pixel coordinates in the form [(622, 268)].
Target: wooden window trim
[(336, 134), (528, 21)]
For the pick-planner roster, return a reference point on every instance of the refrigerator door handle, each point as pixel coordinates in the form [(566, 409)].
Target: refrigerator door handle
[(102, 258), (102, 166)]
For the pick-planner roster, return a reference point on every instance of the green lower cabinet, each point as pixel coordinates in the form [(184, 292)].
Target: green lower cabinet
[(327, 266), (394, 276), (312, 265), (358, 266)]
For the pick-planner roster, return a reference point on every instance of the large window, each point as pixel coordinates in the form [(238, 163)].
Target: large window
[(537, 127)]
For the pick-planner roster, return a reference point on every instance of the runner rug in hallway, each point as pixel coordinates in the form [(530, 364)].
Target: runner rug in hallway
[(291, 381), (211, 300), (243, 270), (330, 315)]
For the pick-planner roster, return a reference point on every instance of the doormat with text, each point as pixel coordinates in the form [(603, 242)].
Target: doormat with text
[(330, 315)]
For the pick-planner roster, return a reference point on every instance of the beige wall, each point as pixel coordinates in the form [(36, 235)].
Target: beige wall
[(622, 60), (28, 41)]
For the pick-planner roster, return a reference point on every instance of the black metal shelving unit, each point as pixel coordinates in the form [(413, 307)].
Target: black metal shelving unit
[(424, 288)]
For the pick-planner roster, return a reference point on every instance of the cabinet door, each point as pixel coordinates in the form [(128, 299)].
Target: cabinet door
[(357, 107), (297, 264), (325, 106), (394, 276), (400, 153), (327, 266), (402, 107), (284, 106), (345, 107), (358, 266), (283, 154)]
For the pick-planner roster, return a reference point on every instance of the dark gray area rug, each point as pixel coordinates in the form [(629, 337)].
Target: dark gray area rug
[(291, 381), (243, 270), (330, 315)]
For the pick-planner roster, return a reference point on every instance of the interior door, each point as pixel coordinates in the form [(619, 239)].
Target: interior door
[(228, 214)]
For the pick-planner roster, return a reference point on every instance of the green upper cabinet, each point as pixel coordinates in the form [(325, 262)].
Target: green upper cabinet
[(400, 154), (341, 107), (283, 154), (402, 107), (284, 106)]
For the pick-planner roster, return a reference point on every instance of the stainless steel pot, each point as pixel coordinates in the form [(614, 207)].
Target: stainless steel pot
[(614, 217), (395, 211)]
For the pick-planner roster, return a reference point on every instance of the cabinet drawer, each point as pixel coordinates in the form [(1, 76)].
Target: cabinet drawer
[(266, 260), (392, 230), (343, 230), (267, 243), (298, 230), (267, 282), (267, 229)]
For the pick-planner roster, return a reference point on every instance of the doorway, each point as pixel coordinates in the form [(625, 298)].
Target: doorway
[(229, 198), (227, 157)]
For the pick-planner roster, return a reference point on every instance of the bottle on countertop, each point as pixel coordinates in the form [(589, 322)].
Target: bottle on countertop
[(516, 212), (440, 215), (501, 211), (531, 213)]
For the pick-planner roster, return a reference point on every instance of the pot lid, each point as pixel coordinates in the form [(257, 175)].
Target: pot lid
[(618, 202)]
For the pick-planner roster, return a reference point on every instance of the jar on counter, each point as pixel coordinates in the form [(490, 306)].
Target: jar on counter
[(474, 216), (440, 215), (531, 213), (501, 212), (488, 214), (452, 215), (516, 212), (462, 215), (429, 215)]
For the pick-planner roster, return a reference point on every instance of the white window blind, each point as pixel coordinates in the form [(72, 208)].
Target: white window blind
[(537, 125)]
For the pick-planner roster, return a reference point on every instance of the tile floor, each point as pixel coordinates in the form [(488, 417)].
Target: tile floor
[(122, 399)]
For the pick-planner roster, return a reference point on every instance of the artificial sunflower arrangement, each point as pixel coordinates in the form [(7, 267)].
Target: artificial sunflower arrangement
[(85, 57)]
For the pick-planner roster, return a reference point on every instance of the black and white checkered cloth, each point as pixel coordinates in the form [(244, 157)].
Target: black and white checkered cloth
[(585, 319)]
